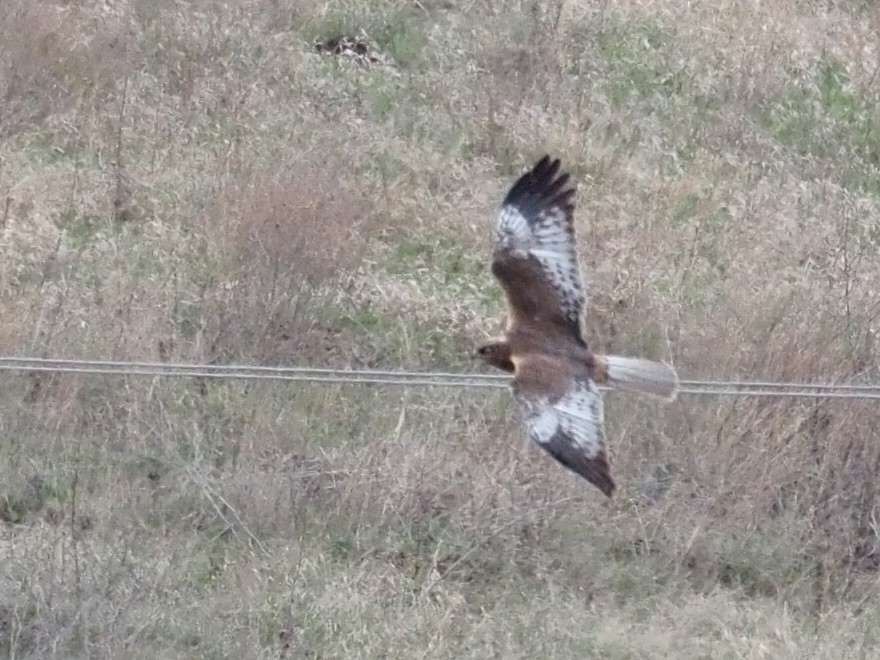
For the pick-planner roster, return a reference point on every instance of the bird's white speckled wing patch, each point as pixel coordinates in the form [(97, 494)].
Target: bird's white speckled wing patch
[(548, 238), (570, 429), (577, 416), (535, 221)]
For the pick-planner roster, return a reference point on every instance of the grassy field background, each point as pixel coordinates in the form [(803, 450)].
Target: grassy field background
[(192, 181)]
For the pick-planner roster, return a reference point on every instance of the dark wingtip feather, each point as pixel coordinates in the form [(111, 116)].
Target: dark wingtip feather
[(596, 470), (606, 485), (598, 473), (541, 187)]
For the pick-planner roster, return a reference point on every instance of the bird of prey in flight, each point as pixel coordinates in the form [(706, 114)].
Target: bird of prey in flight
[(555, 375)]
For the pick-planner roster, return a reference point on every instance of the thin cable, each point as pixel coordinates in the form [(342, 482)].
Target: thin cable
[(401, 378), (26, 362), (782, 385), (340, 378), (167, 367), (232, 371), (818, 394)]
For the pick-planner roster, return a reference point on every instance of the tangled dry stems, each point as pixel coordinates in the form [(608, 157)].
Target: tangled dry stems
[(195, 182)]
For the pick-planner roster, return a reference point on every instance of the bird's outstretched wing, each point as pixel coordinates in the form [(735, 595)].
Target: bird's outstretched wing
[(534, 253), (568, 425)]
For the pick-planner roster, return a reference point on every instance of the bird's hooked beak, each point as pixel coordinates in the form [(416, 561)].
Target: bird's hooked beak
[(479, 351)]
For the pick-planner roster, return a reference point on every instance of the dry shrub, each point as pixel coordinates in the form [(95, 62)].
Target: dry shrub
[(280, 240), (795, 475), (53, 61)]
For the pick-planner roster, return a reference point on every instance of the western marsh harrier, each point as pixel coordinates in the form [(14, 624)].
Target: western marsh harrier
[(555, 374)]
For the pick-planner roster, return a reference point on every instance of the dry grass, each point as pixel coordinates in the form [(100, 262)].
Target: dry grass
[(193, 181)]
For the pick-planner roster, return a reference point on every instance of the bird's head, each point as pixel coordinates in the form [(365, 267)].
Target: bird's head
[(497, 354)]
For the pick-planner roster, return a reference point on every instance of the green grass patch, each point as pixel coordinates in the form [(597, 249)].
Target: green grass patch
[(825, 116)]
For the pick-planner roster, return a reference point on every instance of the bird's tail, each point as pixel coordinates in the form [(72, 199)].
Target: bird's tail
[(637, 375)]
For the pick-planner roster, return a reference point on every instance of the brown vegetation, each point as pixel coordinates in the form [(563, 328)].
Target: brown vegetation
[(194, 182)]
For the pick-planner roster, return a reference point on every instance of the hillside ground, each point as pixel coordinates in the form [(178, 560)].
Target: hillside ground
[(195, 182)]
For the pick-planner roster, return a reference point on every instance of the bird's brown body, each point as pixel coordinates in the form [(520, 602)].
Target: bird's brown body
[(568, 356)]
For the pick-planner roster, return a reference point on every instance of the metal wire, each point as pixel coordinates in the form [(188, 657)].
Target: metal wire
[(401, 378)]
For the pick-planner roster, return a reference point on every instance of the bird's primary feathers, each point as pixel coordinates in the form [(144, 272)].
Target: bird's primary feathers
[(555, 374)]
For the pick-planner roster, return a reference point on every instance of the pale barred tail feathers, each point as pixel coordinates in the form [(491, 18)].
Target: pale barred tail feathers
[(637, 375)]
